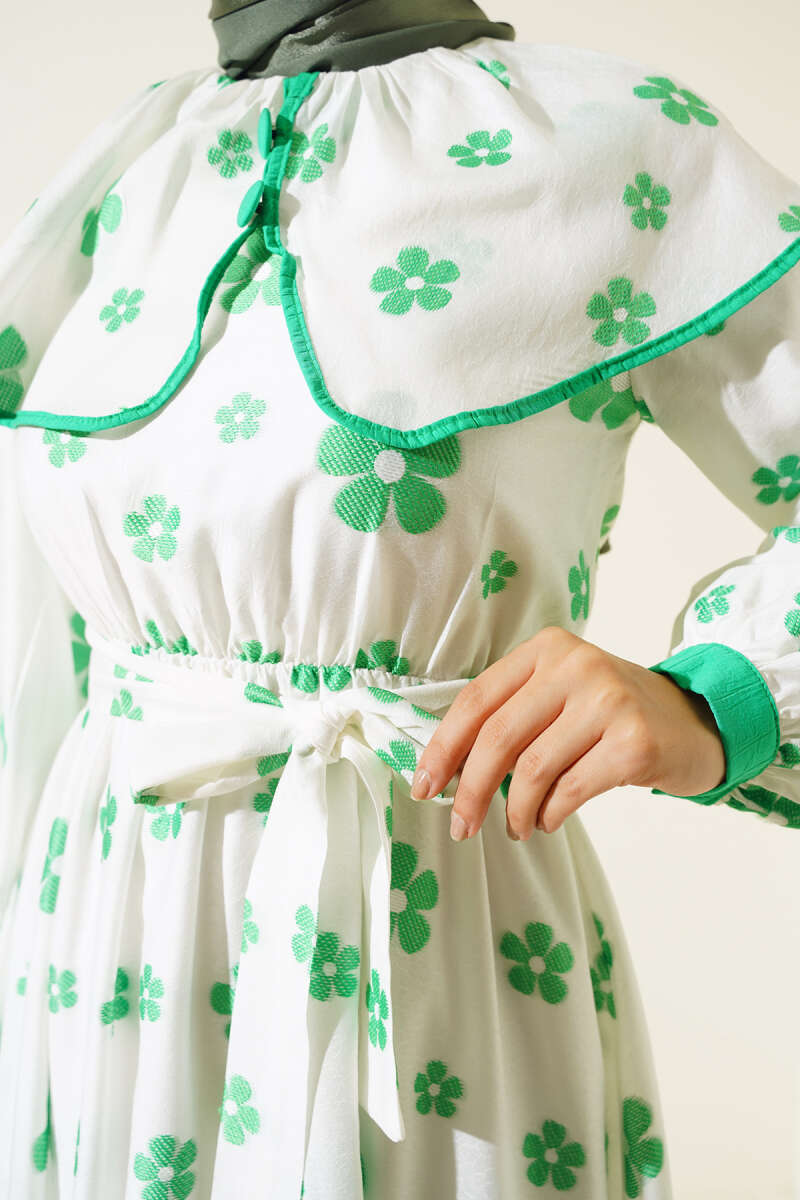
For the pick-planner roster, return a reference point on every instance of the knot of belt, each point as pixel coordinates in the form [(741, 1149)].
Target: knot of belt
[(320, 883)]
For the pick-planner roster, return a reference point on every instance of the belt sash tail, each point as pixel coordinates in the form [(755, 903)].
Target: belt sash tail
[(319, 975)]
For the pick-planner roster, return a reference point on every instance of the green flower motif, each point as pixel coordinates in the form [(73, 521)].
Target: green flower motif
[(790, 221), (331, 964), (180, 645), (496, 571), (609, 517), (496, 68), (119, 1007), (577, 579), (647, 201), (386, 472), (323, 150), (222, 996), (401, 756), (681, 111), (414, 279), (790, 532), (549, 1153), (151, 989), (166, 1170), (437, 1089), (614, 397), (788, 471), (125, 300), (167, 821), (153, 528), (108, 215), (253, 253), (231, 154), (13, 352), (600, 973), (43, 1144), (262, 801), (238, 419), (537, 961), (706, 607), (253, 651), (238, 1117), (60, 989), (768, 805), (382, 656), (50, 881), (408, 896), (81, 653), (306, 677), (643, 1156), (378, 1009), (620, 313), (64, 446), (250, 930), (790, 754), (123, 707), (480, 139)]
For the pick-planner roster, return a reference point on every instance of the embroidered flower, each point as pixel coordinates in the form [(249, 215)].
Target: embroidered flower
[(238, 1117), (537, 961), (682, 110), (614, 397), (253, 253), (50, 881), (647, 202), (620, 313), (479, 140), (782, 483), (378, 1009), (323, 150), (151, 990), (123, 300), (578, 581), (643, 1156), (64, 446), (114, 1010), (60, 990), (232, 153), (552, 1157), (414, 278), (13, 352), (714, 604), (153, 528), (108, 215), (386, 472), (408, 896), (790, 221), (222, 996), (496, 68), (496, 571), (166, 1169), (239, 418), (437, 1089)]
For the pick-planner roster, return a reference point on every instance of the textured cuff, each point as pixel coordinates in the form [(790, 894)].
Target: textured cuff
[(743, 707)]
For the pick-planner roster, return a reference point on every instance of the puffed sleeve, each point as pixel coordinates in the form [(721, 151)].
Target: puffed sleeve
[(730, 399), (42, 671)]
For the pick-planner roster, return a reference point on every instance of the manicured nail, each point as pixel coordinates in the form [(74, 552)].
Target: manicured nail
[(421, 784), (458, 827)]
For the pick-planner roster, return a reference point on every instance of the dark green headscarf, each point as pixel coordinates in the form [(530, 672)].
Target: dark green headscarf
[(284, 37)]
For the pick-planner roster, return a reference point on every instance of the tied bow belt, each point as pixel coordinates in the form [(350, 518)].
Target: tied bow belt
[(189, 728)]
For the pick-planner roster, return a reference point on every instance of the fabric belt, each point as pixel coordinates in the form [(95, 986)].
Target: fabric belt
[(191, 728)]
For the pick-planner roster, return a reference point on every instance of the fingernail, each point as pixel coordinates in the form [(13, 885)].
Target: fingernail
[(510, 831), (421, 784), (458, 827)]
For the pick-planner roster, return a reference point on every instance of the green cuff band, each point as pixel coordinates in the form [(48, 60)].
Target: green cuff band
[(743, 707)]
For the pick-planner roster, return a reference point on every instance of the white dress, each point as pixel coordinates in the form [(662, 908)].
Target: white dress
[(306, 419)]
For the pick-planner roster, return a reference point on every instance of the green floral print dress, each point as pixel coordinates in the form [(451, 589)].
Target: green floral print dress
[(316, 395)]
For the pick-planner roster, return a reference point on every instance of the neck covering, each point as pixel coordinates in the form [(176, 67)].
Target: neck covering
[(267, 37)]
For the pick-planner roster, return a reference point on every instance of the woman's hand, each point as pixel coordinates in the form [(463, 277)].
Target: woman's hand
[(571, 721)]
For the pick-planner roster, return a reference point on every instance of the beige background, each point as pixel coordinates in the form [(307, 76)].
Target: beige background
[(710, 897)]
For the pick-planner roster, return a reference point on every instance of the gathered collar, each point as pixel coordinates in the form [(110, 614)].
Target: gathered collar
[(285, 37)]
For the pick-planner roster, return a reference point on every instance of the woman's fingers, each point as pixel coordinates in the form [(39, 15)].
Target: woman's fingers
[(504, 736), (599, 770)]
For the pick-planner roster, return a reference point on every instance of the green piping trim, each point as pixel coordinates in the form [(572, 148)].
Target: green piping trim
[(296, 88), (744, 709)]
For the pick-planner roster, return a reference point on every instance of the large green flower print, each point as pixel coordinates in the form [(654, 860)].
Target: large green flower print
[(331, 963), (481, 147), (50, 880), (383, 472), (552, 1156), (620, 313), (537, 961), (408, 896), (108, 215), (64, 446), (166, 1169), (790, 221), (13, 352), (647, 201), (437, 1089), (643, 1156), (323, 150), (238, 1117), (253, 253), (124, 307), (782, 483), (414, 278), (615, 400), (153, 528), (60, 990), (232, 153), (682, 110)]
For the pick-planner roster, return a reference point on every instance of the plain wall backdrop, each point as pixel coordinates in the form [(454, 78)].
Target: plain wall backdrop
[(710, 896)]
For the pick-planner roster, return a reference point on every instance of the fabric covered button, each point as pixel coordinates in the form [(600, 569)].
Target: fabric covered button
[(251, 201), (265, 132)]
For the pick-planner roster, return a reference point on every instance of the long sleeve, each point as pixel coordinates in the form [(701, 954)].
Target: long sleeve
[(42, 670), (730, 399)]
